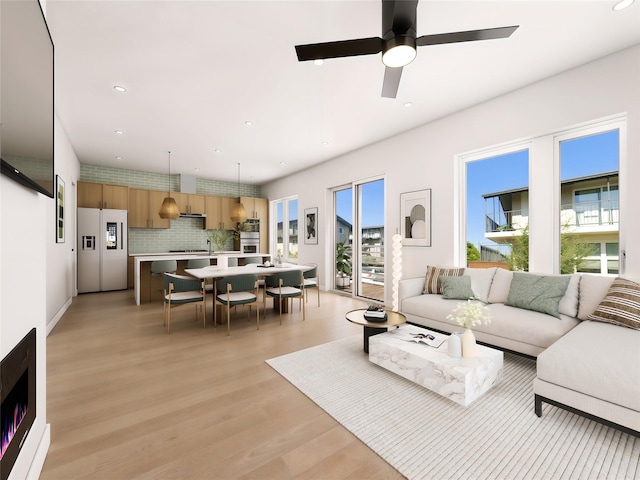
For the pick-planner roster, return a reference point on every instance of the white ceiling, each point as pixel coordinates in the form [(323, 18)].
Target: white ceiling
[(195, 71)]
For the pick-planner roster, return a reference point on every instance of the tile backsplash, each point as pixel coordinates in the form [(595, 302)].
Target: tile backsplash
[(185, 233)]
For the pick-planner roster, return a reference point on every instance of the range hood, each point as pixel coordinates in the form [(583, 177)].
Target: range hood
[(188, 185)]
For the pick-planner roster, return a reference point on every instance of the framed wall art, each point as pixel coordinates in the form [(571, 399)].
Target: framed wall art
[(311, 226), (415, 218), (59, 209)]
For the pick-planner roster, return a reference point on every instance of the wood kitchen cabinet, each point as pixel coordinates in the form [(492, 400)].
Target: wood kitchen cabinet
[(218, 211), (190, 203), (99, 195), (258, 208), (144, 206)]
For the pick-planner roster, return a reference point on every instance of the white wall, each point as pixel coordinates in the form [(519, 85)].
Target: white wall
[(36, 281), (425, 158)]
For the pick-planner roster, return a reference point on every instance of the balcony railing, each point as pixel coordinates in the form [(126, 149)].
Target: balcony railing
[(598, 213)]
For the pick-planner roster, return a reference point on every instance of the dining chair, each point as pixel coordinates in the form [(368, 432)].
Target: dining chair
[(158, 269), (237, 290), (311, 280), (201, 263), (181, 290), (283, 286)]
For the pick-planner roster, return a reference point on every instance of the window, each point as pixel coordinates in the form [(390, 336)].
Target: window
[(285, 217), (589, 208), (497, 199)]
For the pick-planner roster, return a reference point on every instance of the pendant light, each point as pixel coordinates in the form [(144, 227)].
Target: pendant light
[(169, 208), (238, 214)]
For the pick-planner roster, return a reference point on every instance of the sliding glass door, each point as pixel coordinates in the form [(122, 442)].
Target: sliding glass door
[(359, 239)]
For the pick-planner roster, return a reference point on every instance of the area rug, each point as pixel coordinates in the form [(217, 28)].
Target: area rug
[(425, 436)]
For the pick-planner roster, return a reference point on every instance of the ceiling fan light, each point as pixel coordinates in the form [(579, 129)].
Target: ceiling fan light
[(399, 51)]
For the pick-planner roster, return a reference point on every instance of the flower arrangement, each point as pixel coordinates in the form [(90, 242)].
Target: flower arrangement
[(470, 313)]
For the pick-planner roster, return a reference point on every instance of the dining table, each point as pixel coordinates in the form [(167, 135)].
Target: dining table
[(215, 272)]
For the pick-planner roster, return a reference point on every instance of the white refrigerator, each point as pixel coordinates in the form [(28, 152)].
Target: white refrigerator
[(102, 250)]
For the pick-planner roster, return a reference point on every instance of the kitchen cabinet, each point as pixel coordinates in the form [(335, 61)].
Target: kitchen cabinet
[(190, 203), (258, 208), (99, 195), (144, 206), (218, 211)]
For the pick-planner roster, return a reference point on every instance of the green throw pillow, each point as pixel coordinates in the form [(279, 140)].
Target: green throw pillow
[(457, 287), (540, 293)]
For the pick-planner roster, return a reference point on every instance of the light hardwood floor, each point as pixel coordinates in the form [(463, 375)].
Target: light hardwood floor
[(126, 400)]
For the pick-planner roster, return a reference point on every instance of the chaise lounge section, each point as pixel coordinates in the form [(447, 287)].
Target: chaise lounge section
[(585, 337)]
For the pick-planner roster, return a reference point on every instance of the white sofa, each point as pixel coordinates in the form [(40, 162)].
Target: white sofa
[(585, 366)]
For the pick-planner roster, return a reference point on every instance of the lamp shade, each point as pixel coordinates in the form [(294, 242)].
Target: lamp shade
[(169, 209), (238, 214)]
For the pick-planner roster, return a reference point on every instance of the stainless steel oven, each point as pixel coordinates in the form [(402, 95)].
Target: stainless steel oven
[(249, 242)]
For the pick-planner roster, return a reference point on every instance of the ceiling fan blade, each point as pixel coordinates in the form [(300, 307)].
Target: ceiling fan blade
[(344, 48), (391, 82), (468, 36)]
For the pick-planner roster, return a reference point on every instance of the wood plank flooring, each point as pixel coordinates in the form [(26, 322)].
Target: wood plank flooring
[(125, 400)]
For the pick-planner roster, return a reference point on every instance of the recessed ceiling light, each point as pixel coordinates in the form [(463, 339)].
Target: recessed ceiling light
[(118, 158), (119, 132), (196, 169), (318, 62), (248, 123), (119, 88), (217, 150), (622, 4), (282, 164), (325, 143), (408, 104)]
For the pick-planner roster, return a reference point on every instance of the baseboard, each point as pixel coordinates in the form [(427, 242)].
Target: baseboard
[(41, 454), (56, 318)]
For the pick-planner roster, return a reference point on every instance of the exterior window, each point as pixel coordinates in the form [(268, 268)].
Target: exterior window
[(590, 205), (497, 196), (286, 239)]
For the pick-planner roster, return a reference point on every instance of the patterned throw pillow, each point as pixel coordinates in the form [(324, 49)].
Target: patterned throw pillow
[(432, 282), (540, 293), (621, 305)]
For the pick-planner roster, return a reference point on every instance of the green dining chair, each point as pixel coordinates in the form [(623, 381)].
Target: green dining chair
[(201, 263), (237, 290), (182, 290), (311, 280), (283, 286)]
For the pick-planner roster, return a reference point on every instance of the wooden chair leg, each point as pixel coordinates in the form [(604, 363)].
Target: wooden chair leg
[(228, 320), (303, 311)]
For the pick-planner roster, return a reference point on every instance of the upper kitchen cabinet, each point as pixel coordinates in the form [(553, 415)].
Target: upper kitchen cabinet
[(190, 203), (99, 195), (144, 208), (256, 207), (218, 211)]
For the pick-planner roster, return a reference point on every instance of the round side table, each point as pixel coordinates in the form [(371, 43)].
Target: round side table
[(394, 319)]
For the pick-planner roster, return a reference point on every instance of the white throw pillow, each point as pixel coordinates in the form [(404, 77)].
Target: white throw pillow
[(500, 286), (569, 303), (593, 288), (481, 279)]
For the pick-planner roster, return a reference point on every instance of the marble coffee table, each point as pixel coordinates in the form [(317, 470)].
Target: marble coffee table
[(462, 380)]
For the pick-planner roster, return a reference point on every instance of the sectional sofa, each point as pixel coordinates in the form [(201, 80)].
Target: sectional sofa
[(583, 330)]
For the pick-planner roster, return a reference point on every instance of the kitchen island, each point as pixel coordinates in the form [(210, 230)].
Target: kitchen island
[(147, 288)]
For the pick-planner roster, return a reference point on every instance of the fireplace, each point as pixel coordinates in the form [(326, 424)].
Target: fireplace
[(18, 394)]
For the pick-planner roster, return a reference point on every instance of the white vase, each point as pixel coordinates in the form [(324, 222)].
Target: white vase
[(468, 344), (454, 345)]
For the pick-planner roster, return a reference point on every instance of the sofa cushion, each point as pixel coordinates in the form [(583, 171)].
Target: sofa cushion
[(500, 286), (593, 288), (457, 287), (569, 303), (621, 305), (481, 279), (432, 282), (540, 293), (597, 359)]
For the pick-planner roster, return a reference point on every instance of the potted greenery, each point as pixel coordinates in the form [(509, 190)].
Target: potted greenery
[(218, 239), (343, 265)]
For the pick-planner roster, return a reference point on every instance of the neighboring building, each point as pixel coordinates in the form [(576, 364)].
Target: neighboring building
[(343, 229), (589, 209)]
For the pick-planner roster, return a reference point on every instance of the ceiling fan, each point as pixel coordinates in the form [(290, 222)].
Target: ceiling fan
[(398, 43)]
